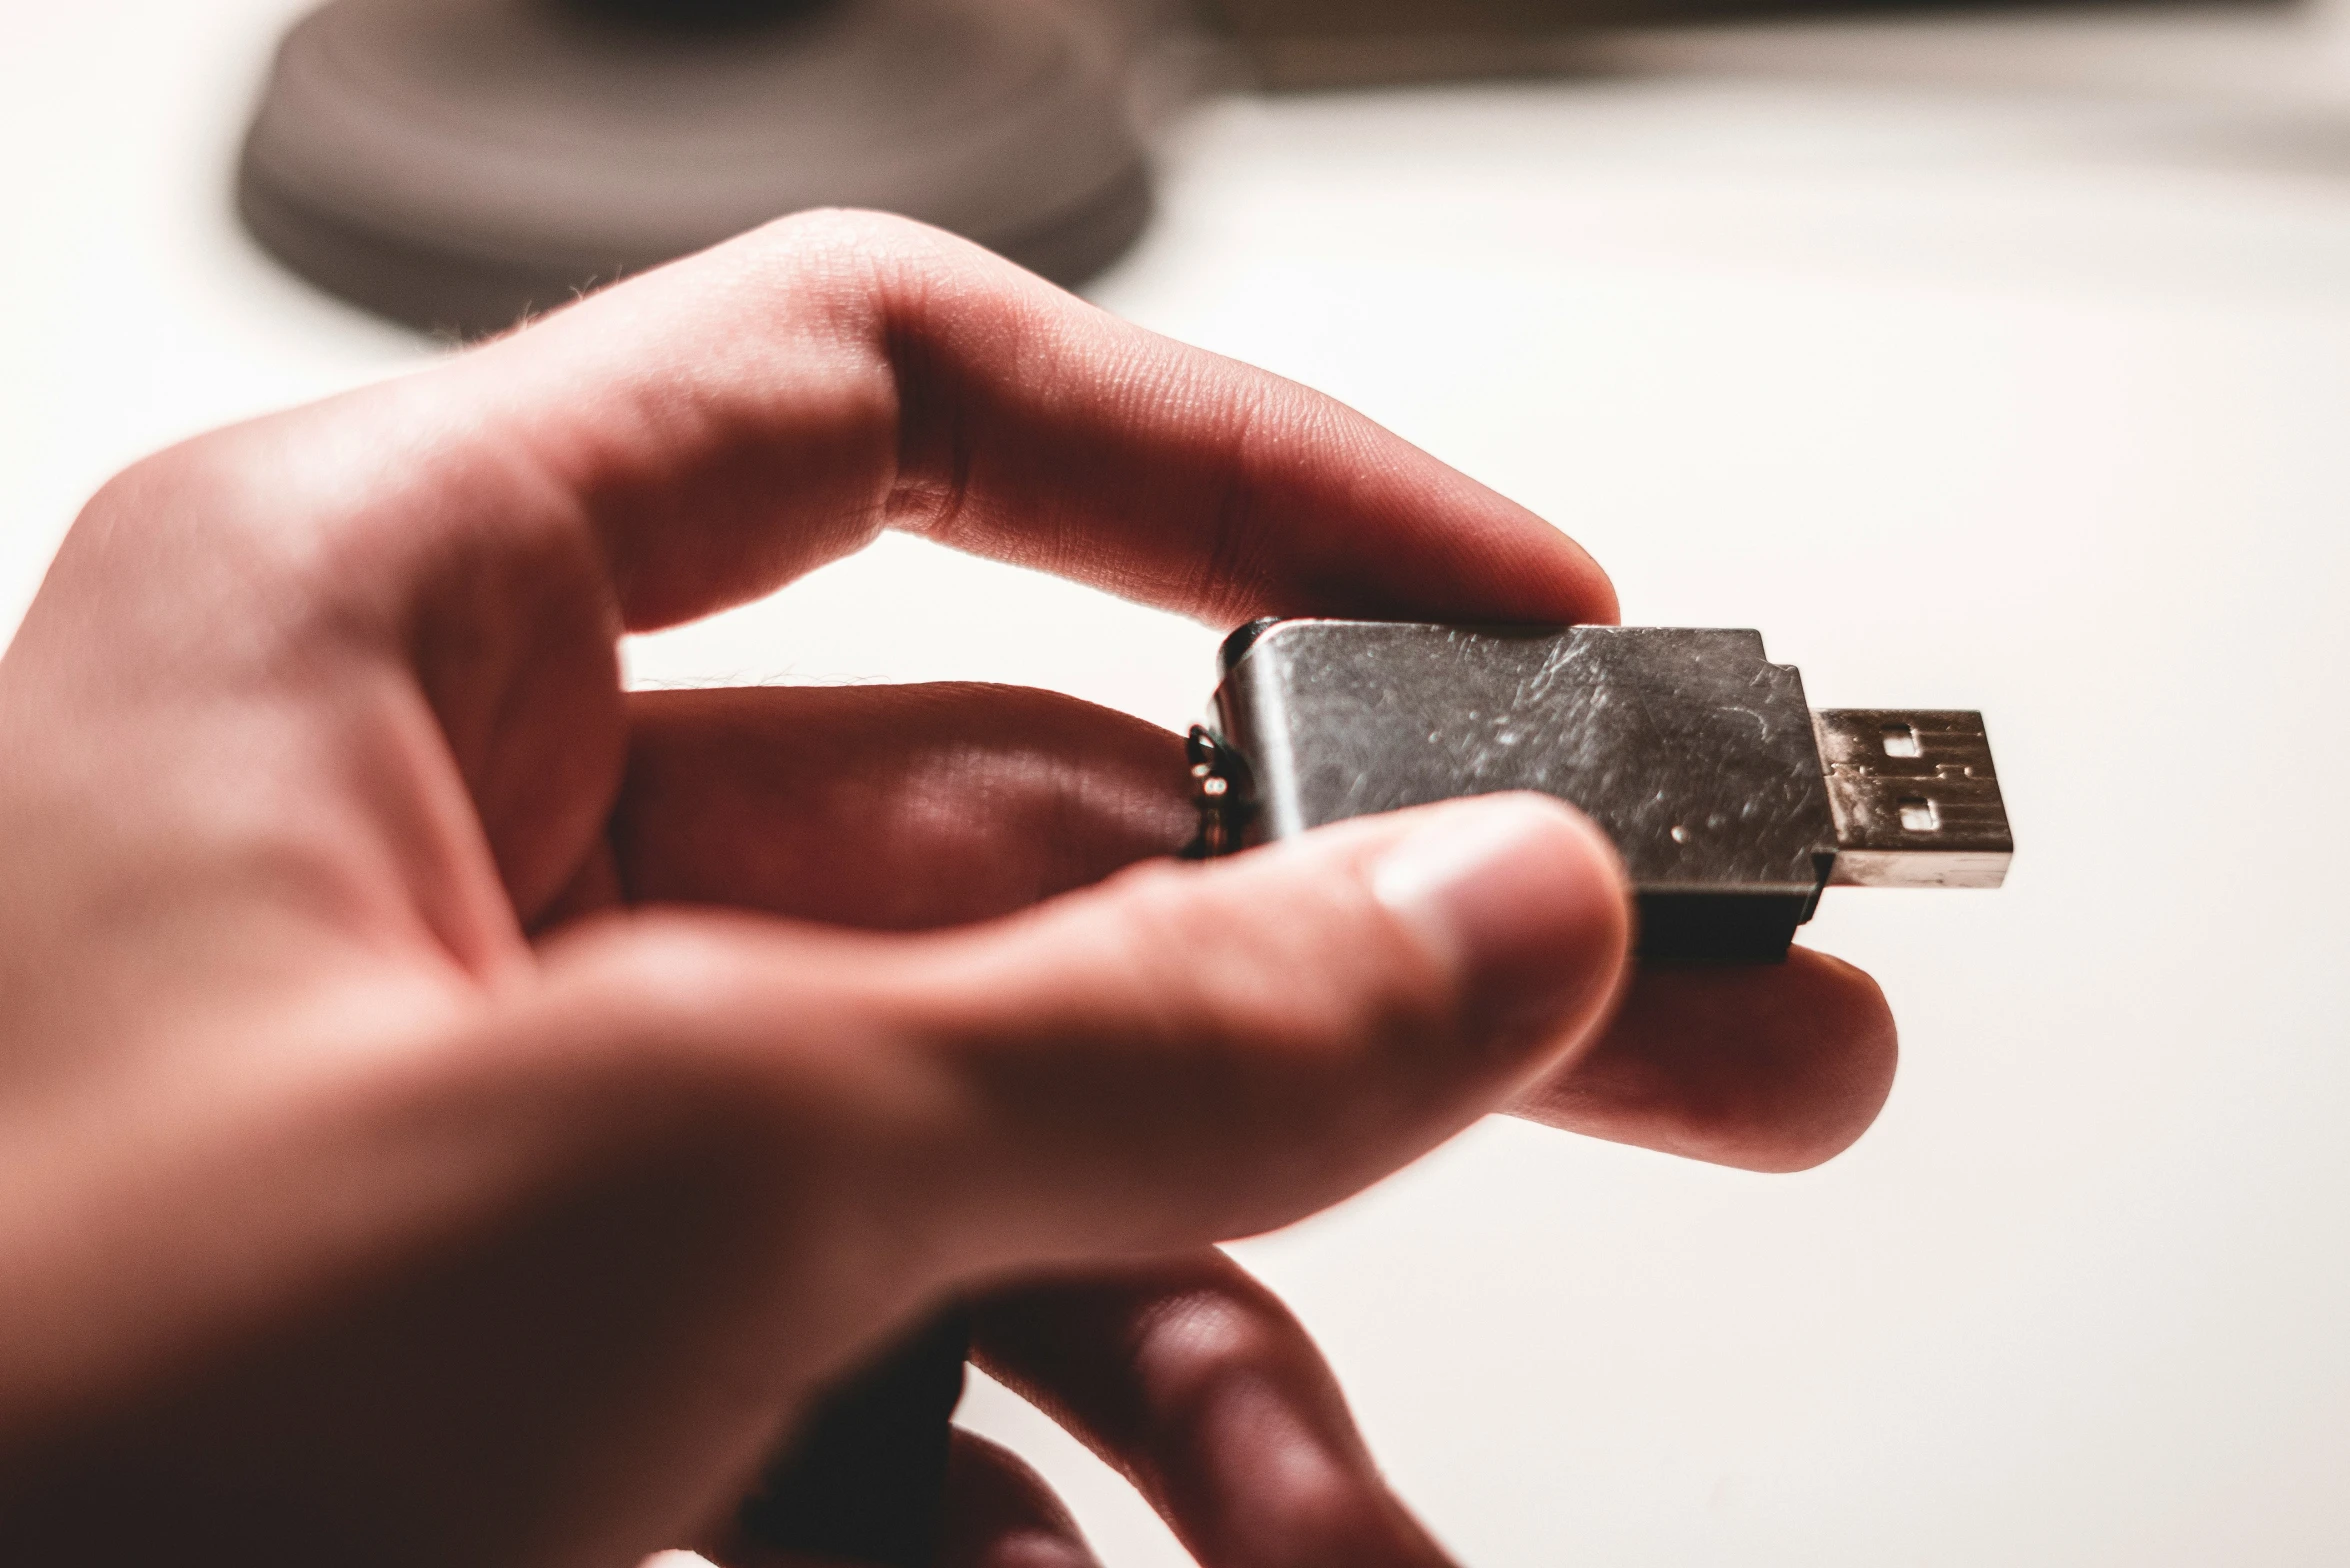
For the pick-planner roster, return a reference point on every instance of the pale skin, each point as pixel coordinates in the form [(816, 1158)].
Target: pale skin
[(454, 1111)]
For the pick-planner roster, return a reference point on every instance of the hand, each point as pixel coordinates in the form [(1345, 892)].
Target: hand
[(455, 1111)]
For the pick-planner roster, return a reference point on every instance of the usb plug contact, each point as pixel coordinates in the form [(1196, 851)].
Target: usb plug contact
[(1915, 798)]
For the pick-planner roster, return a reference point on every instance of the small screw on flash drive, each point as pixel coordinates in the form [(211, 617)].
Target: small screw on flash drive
[(1217, 792)]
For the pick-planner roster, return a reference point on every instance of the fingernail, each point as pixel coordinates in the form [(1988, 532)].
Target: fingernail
[(1521, 896)]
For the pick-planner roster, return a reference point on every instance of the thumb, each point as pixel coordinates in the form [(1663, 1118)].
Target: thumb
[(560, 1267), (1185, 1053)]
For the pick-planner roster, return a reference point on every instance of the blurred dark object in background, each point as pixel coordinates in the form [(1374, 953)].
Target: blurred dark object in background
[(1340, 43), (1305, 44), (459, 164)]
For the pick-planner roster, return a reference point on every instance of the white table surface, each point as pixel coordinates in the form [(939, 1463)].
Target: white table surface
[(1982, 394)]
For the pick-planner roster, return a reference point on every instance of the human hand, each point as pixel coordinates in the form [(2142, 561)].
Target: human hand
[(455, 1111)]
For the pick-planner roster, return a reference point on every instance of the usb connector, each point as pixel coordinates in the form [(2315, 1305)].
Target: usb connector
[(1915, 798), (1732, 803)]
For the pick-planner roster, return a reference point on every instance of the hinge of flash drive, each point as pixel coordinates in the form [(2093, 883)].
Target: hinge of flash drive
[(1732, 803), (1219, 792)]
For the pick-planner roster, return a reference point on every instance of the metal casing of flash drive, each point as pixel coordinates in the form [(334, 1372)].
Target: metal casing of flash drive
[(1700, 758)]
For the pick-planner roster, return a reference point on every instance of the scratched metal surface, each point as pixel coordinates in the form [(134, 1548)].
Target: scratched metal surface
[(1690, 748)]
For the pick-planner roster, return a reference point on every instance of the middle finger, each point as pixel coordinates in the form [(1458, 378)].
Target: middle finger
[(888, 807)]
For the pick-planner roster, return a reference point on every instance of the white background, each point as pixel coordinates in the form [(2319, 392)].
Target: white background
[(2010, 397)]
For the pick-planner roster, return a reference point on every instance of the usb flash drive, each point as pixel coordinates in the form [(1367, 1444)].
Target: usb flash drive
[(1732, 803)]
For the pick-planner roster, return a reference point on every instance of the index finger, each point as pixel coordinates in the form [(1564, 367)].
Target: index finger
[(746, 414)]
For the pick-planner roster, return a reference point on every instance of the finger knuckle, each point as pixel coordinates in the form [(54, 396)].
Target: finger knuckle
[(1204, 1336), (1311, 973), (862, 252), (210, 484), (1219, 1364), (677, 1008), (648, 1010)]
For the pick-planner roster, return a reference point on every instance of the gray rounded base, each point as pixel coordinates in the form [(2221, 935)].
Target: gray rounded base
[(461, 164)]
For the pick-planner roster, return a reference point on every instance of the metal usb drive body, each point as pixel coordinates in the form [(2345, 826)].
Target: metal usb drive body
[(1731, 801)]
